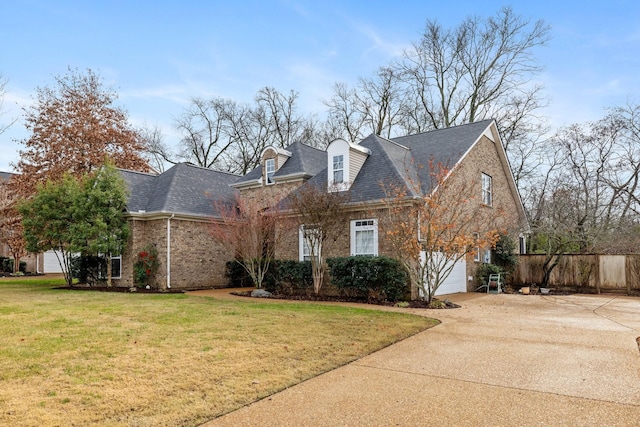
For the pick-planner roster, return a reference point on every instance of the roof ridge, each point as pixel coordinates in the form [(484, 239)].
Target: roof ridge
[(393, 142), (205, 168), (444, 129)]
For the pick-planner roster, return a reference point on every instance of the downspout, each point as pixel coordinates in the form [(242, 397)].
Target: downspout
[(169, 250)]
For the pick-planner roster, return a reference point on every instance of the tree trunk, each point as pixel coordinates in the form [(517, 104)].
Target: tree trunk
[(16, 263), (108, 271)]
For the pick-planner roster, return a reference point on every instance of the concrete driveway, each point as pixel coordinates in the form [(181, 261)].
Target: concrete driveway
[(500, 360)]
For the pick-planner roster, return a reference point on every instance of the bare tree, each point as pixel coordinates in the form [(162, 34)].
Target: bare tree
[(374, 106), (225, 135), (278, 113), (473, 71), (3, 91), (156, 152), (205, 140), (321, 217), (587, 201), (344, 119), (249, 234)]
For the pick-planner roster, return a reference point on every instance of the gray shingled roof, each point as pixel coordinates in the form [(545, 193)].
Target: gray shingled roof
[(304, 160), (6, 176), (399, 162), (404, 162), (441, 146), (183, 189)]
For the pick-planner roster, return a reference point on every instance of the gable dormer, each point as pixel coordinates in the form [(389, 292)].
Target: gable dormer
[(272, 159), (344, 161)]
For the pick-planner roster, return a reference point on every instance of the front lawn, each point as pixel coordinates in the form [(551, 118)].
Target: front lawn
[(81, 358)]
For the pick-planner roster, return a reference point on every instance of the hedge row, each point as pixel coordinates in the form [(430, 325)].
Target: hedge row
[(370, 277), (363, 277), (7, 265)]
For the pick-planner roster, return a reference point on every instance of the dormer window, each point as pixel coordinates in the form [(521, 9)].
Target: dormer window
[(269, 170), (338, 169), (344, 161)]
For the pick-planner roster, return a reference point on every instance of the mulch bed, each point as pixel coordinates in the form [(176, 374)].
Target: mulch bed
[(436, 304)]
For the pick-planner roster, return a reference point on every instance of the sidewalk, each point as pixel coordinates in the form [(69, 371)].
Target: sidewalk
[(499, 360)]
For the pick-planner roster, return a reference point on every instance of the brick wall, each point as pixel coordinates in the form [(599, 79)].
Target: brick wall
[(197, 261)]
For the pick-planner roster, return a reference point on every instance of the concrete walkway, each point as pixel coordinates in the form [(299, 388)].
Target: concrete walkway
[(500, 360)]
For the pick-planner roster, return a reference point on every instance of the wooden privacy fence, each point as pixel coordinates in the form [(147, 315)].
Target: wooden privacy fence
[(585, 273)]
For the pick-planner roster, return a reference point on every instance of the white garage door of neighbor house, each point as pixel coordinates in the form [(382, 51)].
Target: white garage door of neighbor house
[(456, 282), (51, 264)]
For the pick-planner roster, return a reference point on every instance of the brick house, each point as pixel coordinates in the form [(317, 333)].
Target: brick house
[(172, 210)]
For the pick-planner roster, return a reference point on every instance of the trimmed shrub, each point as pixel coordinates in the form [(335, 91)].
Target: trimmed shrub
[(287, 277), (369, 277), (505, 255), (237, 275), (7, 265)]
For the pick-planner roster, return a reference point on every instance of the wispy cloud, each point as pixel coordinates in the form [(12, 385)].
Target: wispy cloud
[(378, 43)]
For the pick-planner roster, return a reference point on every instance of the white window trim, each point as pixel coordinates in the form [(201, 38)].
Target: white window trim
[(487, 190), (268, 162), (357, 226), (113, 258), (301, 244)]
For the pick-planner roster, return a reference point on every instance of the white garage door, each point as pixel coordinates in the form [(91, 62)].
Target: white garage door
[(456, 282), (51, 264)]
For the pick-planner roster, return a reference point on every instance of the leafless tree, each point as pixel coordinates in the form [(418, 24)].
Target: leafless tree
[(157, 153), (374, 106), (3, 91), (473, 71), (321, 217), (226, 135), (594, 180), (205, 140)]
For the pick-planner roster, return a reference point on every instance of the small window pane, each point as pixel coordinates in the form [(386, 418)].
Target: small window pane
[(338, 169), (486, 190), (270, 169)]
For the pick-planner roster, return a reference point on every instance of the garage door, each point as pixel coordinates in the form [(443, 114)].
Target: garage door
[(51, 264), (456, 282)]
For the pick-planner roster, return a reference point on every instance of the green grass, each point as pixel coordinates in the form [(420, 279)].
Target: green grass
[(82, 358)]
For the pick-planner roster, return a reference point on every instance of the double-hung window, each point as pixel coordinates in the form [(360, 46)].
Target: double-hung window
[(487, 190), (269, 170), (310, 242), (364, 237), (338, 169), (116, 267)]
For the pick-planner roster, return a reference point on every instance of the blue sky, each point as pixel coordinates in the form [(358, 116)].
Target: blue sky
[(159, 54)]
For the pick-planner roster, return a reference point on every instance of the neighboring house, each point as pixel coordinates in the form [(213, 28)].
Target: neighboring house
[(173, 210)]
